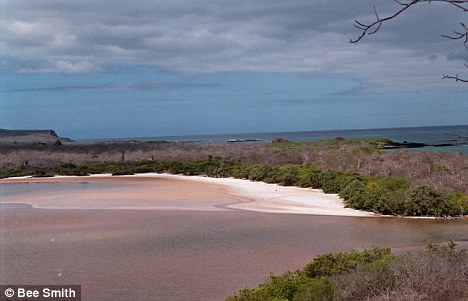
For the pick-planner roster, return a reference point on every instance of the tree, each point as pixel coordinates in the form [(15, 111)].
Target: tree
[(461, 34)]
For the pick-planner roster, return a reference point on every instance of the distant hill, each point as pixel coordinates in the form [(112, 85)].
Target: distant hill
[(31, 136)]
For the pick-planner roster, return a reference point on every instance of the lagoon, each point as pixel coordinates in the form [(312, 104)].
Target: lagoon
[(177, 254)]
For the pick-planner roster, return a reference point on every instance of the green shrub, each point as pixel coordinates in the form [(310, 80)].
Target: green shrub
[(383, 195), (250, 294), (282, 287), (259, 172), (458, 203), (437, 273), (425, 201), (67, 169), (68, 165), (294, 286), (313, 282), (334, 263), (15, 172), (354, 194), (442, 168), (335, 181), (365, 280), (143, 168), (43, 172), (315, 289), (365, 142), (313, 179), (84, 170), (288, 175)]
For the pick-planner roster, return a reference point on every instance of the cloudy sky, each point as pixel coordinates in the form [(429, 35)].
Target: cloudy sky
[(96, 69)]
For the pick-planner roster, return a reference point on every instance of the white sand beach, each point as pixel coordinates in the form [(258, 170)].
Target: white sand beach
[(177, 192), (272, 198)]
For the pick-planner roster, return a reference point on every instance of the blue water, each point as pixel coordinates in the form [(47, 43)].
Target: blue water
[(457, 135), (427, 135)]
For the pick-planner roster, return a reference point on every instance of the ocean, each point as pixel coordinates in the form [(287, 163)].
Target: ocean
[(456, 135)]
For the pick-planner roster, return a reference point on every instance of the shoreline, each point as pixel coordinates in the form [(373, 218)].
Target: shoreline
[(273, 198), (232, 194), (238, 195)]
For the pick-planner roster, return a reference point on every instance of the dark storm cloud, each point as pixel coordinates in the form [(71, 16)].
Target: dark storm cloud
[(308, 36)]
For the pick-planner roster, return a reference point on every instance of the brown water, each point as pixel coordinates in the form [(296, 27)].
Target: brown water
[(185, 255)]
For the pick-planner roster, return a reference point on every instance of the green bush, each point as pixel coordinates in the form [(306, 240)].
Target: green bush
[(313, 179), (437, 273), (365, 280), (288, 175), (425, 201), (354, 193), (335, 181), (259, 172), (458, 203), (68, 165), (313, 283), (315, 289), (67, 169), (14, 172), (335, 263), (386, 195), (383, 195), (280, 287)]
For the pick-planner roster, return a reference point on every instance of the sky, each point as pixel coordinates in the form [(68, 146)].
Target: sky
[(146, 68)]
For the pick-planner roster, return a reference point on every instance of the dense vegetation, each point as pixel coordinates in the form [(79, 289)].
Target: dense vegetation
[(445, 172), (437, 273), (384, 195), (400, 183)]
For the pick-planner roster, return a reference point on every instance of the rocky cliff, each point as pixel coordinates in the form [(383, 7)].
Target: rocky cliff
[(31, 136)]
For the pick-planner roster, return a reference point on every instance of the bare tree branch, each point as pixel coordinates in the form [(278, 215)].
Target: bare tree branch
[(456, 77), (372, 28), (369, 29), (456, 3), (460, 35)]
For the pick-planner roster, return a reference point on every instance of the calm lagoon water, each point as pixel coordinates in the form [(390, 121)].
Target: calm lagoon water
[(185, 255)]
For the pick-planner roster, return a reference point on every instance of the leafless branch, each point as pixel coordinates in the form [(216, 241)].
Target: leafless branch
[(455, 77), (460, 35), (371, 28), (459, 4)]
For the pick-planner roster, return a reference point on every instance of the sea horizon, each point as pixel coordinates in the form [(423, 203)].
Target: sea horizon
[(295, 135)]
